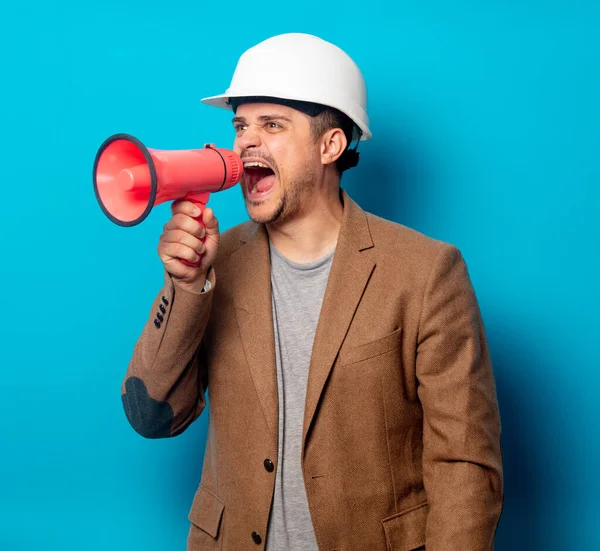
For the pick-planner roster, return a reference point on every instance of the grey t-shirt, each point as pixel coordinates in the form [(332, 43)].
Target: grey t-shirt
[(297, 291)]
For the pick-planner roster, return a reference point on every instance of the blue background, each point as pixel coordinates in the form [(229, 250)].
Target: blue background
[(486, 123)]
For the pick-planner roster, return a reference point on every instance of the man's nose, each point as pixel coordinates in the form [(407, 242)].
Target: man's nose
[(249, 139)]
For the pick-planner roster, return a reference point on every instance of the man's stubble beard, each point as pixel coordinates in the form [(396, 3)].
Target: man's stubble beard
[(289, 202)]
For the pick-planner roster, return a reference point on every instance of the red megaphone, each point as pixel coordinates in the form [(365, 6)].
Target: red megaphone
[(130, 179)]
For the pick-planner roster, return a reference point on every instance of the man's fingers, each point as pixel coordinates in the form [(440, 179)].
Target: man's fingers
[(170, 251), (210, 221), (185, 240), (181, 206), (180, 236), (186, 223)]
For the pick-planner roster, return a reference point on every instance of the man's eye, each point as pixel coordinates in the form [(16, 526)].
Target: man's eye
[(239, 127), (273, 125)]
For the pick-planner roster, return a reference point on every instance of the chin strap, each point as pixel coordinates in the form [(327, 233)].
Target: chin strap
[(350, 157)]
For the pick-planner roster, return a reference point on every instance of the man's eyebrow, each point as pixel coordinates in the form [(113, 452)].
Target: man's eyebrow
[(262, 118), (273, 117)]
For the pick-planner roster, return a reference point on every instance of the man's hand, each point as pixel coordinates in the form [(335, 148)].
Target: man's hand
[(181, 239)]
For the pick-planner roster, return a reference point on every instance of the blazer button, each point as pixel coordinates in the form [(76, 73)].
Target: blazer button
[(164, 299), (159, 316), (256, 538), (157, 323), (269, 465), (162, 308)]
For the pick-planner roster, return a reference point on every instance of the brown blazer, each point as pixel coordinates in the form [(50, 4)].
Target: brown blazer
[(401, 429)]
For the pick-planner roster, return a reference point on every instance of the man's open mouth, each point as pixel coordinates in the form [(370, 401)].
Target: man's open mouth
[(259, 177)]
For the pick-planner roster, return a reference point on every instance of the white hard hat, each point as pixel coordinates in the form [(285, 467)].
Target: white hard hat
[(300, 67)]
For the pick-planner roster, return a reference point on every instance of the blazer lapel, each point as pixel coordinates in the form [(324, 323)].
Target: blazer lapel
[(252, 297), (350, 273)]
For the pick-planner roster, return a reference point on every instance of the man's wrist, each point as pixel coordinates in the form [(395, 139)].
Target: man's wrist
[(199, 286)]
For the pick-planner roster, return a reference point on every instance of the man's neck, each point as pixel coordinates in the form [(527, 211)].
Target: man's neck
[(314, 232)]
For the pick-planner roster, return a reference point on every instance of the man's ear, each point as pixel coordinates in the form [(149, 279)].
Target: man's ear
[(333, 144)]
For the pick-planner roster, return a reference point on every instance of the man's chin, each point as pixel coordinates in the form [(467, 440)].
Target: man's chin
[(263, 212)]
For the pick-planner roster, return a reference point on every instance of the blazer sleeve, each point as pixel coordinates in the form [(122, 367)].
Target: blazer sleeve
[(462, 464), (164, 387)]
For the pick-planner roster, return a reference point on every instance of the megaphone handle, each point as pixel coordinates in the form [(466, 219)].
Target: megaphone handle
[(200, 200)]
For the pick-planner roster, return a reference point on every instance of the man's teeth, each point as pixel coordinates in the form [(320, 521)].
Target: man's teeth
[(255, 164)]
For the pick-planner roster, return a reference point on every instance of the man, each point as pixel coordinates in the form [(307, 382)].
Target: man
[(352, 399)]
